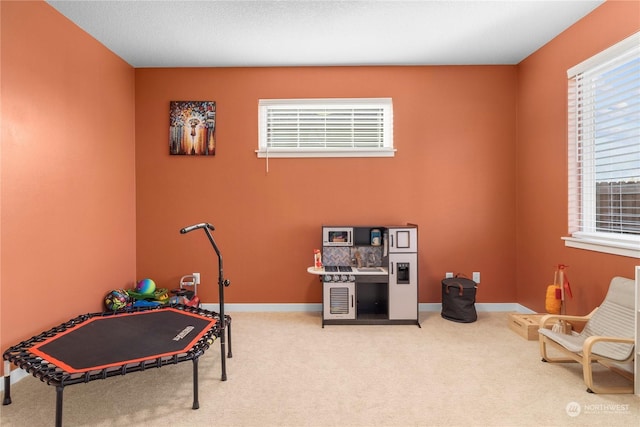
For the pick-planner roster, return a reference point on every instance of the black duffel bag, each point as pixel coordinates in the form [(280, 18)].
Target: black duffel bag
[(459, 299)]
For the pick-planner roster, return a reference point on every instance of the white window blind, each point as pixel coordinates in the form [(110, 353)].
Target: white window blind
[(604, 151), (325, 127)]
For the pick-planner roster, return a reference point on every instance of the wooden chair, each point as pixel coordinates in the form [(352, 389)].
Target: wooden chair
[(607, 337)]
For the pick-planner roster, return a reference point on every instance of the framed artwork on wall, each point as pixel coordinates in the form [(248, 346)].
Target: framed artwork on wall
[(192, 128)]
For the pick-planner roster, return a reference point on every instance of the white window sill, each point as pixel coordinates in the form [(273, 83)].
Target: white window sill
[(624, 247), (280, 153)]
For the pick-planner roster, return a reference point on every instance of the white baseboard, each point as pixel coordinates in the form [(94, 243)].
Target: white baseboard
[(428, 307), (238, 308), (18, 374), (483, 307)]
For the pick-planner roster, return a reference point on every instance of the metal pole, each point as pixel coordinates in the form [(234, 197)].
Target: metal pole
[(221, 285)]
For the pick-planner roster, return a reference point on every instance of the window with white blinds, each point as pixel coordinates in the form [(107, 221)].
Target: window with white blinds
[(604, 151), (333, 127)]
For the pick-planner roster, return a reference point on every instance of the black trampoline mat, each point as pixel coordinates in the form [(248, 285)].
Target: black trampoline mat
[(120, 339)]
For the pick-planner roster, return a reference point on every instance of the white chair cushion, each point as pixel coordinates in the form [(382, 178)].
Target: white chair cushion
[(572, 342), (614, 318)]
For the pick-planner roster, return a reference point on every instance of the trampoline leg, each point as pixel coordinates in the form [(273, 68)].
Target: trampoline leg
[(59, 406), (7, 387), (223, 357), (229, 337), (196, 404)]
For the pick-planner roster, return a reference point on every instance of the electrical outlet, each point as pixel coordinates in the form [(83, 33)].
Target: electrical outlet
[(476, 276), (448, 275), (196, 276)]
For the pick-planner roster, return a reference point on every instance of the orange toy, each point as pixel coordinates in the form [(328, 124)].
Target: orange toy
[(553, 301)]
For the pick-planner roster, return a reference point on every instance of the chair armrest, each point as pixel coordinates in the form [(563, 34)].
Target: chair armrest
[(549, 319), (592, 340)]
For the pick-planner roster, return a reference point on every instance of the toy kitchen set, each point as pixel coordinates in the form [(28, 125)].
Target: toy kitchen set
[(369, 275)]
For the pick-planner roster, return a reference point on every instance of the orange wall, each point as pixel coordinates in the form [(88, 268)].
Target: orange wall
[(68, 177), (452, 175), (542, 163), (481, 160)]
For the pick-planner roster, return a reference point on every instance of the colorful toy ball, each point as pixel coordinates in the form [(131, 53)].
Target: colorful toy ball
[(117, 300), (146, 286)]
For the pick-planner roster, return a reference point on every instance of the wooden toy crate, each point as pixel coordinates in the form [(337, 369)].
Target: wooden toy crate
[(525, 325)]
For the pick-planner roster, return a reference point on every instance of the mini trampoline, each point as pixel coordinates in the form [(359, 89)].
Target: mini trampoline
[(97, 346), (92, 346)]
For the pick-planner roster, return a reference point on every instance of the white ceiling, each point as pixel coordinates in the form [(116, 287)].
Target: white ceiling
[(214, 33)]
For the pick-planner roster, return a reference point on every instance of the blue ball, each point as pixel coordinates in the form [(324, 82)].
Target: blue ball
[(146, 286)]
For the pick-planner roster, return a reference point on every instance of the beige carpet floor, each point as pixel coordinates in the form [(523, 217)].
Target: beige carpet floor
[(287, 370)]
